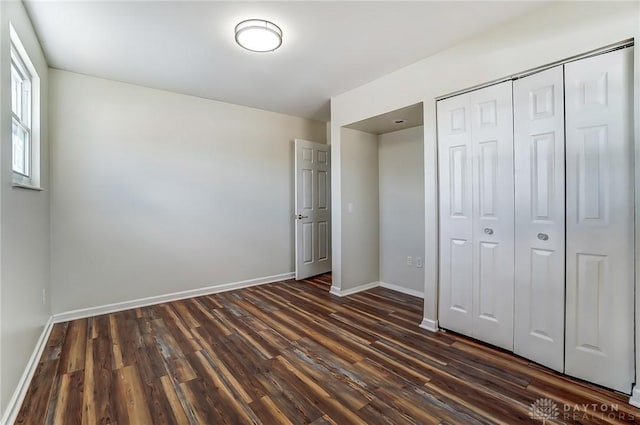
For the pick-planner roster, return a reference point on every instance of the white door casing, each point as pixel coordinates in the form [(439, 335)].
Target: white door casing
[(493, 209), (600, 227), (313, 208), (475, 149), (539, 217), (456, 214)]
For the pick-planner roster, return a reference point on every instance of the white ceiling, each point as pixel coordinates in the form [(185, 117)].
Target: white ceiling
[(188, 47)]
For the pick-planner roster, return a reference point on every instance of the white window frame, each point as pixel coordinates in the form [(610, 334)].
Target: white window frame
[(22, 119), (28, 120)]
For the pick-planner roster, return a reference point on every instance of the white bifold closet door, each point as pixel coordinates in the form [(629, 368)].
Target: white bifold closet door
[(475, 145), (600, 227), (539, 217), (455, 156)]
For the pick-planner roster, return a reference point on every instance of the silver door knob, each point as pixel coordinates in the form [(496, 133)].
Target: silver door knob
[(300, 216), (543, 236), (488, 230)]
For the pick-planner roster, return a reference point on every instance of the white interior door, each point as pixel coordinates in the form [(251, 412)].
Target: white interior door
[(313, 208), (600, 227), (539, 217), (456, 214), (493, 204), (475, 154)]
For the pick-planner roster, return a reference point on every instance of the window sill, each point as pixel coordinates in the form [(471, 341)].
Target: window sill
[(27, 187)]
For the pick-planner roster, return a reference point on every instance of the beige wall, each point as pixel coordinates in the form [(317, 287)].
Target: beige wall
[(155, 192), (360, 246), (401, 177), (24, 222)]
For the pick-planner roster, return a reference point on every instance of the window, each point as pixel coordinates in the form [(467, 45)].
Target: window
[(21, 115), (25, 101)]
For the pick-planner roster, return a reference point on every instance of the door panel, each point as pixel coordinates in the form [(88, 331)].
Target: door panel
[(475, 145), (460, 272), (487, 174), (487, 281), (307, 188), (492, 187), (540, 218), (456, 251), (592, 174), (313, 208), (323, 241), (458, 159), (323, 190), (600, 227), (307, 243), (592, 270)]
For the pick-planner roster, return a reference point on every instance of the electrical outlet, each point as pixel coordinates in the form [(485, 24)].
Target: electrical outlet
[(419, 262), (409, 261), (44, 296)]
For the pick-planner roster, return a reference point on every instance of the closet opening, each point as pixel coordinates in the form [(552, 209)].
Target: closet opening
[(383, 202), (536, 209)]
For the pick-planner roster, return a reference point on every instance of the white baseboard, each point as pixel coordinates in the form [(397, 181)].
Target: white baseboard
[(402, 289), (13, 407), (365, 286), (158, 299), (634, 400), (430, 325)]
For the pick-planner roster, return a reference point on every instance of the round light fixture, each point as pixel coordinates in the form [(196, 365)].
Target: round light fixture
[(258, 35)]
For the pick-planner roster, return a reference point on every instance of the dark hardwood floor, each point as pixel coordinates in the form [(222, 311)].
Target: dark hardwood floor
[(291, 353)]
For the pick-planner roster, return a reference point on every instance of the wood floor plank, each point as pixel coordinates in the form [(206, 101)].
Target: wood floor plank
[(132, 395), (219, 366), (88, 391), (172, 352), (54, 344), (352, 397), (292, 353), (177, 407), (73, 348), (68, 409), (314, 390), (291, 401), (240, 411), (34, 409), (179, 330), (269, 413)]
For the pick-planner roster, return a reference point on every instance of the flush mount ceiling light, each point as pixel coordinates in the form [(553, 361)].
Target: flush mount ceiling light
[(258, 35)]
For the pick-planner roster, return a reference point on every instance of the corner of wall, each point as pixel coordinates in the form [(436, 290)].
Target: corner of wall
[(25, 266)]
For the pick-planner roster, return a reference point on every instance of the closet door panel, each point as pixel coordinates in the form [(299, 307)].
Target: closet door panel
[(456, 251), (492, 144), (539, 217), (600, 226)]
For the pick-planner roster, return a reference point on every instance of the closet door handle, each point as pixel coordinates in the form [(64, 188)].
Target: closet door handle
[(488, 230), (543, 236)]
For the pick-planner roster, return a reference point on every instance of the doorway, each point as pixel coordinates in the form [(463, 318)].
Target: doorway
[(313, 208)]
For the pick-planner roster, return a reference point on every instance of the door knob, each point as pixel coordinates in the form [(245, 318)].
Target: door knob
[(300, 216), (543, 236), (488, 230)]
